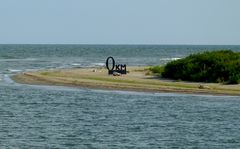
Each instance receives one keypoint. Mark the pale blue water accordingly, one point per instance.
(61, 117)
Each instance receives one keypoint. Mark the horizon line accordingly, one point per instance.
(118, 44)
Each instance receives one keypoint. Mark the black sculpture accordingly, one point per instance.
(119, 68)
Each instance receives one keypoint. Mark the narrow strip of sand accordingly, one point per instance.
(138, 79)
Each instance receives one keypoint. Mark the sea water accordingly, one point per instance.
(63, 117)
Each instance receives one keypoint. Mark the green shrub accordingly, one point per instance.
(156, 69)
(234, 79)
(217, 66)
(44, 73)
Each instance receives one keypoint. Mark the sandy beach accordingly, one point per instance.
(138, 79)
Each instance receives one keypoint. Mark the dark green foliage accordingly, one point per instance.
(217, 66)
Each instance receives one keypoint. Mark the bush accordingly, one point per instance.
(156, 69)
(216, 66)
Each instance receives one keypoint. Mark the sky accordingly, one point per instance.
(215, 22)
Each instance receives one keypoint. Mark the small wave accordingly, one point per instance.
(7, 79)
(29, 59)
(76, 64)
(170, 59)
(34, 69)
(87, 65)
(14, 70)
(98, 64)
(15, 59)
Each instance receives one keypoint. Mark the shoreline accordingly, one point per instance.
(139, 79)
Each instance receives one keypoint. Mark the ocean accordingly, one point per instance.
(63, 117)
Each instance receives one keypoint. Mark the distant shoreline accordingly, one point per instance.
(139, 79)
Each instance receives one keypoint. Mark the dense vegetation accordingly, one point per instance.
(217, 66)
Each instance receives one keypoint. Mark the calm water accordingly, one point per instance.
(61, 117)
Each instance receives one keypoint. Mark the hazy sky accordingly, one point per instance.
(120, 21)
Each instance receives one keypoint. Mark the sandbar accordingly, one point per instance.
(138, 79)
